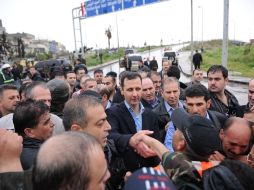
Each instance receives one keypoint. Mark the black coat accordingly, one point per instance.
(37, 77)
(197, 58)
(123, 128)
(240, 110)
(118, 97)
(230, 109)
(29, 152)
(153, 65)
(21, 180)
(115, 165)
(163, 118)
(217, 118)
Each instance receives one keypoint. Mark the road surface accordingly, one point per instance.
(239, 90)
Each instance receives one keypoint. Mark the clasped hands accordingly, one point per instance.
(139, 146)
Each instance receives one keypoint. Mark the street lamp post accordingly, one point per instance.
(224, 59)
(191, 35)
(117, 35)
(202, 24)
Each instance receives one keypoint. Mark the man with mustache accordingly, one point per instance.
(222, 100)
(85, 113)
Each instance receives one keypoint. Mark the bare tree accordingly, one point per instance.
(109, 35)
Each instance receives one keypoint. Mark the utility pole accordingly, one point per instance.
(76, 15)
(202, 25)
(117, 35)
(224, 57)
(191, 35)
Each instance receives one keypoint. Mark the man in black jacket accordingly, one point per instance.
(198, 101)
(32, 121)
(197, 59)
(128, 120)
(149, 99)
(35, 75)
(153, 64)
(85, 113)
(170, 102)
(223, 101)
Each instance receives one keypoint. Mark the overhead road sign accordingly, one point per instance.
(98, 7)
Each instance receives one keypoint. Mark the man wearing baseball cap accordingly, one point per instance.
(194, 140)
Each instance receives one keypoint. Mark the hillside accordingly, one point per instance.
(240, 57)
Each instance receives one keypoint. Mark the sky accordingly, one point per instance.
(168, 20)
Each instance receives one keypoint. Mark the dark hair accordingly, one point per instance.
(129, 76)
(112, 74)
(104, 91)
(174, 71)
(197, 90)
(75, 111)
(23, 87)
(113, 78)
(65, 74)
(27, 115)
(121, 75)
(63, 162)
(5, 87)
(242, 172)
(195, 71)
(80, 67)
(60, 92)
(59, 73)
(97, 71)
(218, 68)
(150, 74)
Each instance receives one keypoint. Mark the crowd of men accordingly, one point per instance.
(78, 131)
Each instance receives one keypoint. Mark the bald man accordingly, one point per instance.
(83, 166)
(236, 138)
(249, 107)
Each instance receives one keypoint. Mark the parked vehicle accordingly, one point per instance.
(131, 62)
(129, 51)
(48, 68)
(172, 56)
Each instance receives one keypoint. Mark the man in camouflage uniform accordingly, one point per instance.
(194, 140)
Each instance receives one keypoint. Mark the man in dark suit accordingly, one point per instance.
(128, 120)
(149, 99)
(153, 64)
(197, 59)
(164, 110)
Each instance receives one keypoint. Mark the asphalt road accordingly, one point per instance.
(239, 90)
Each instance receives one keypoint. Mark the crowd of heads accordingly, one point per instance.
(72, 155)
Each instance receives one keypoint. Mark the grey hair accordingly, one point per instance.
(75, 111)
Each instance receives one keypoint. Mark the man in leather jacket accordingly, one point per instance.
(85, 113)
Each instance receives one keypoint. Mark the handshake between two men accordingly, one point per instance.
(147, 146)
